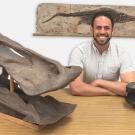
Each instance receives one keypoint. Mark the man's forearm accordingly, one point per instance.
(115, 87)
(84, 89)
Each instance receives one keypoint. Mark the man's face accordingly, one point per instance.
(102, 30)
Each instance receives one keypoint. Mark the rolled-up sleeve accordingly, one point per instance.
(76, 57)
(126, 63)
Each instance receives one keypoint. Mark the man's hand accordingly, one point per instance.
(96, 83)
(113, 86)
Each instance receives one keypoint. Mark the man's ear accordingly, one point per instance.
(113, 29)
(91, 28)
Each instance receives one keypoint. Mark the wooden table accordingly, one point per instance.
(103, 115)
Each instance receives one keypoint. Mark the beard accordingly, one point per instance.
(102, 39)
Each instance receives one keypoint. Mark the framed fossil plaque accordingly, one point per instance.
(74, 19)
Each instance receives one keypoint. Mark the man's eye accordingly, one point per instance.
(107, 28)
(99, 28)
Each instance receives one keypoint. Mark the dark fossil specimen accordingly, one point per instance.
(86, 16)
(35, 109)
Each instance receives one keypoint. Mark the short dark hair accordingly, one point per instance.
(102, 13)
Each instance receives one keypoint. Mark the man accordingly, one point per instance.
(103, 62)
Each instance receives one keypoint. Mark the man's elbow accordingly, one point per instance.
(74, 90)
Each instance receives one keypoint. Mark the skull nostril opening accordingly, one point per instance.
(54, 69)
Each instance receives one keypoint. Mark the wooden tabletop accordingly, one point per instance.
(104, 115)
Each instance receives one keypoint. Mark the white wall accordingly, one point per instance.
(18, 21)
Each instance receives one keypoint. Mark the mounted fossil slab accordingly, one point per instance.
(34, 73)
(75, 19)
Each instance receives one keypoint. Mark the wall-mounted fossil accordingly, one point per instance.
(75, 20)
(86, 16)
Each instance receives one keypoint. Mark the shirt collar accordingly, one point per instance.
(97, 51)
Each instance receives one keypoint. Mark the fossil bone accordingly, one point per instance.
(34, 73)
(35, 109)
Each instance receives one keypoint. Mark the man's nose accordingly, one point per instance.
(102, 31)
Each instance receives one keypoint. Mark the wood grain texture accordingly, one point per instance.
(68, 20)
(105, 115)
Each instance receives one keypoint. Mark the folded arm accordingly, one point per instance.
(101, 87)
(117, 87)
(79, 88)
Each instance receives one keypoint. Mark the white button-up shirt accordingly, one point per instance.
(108, 65)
